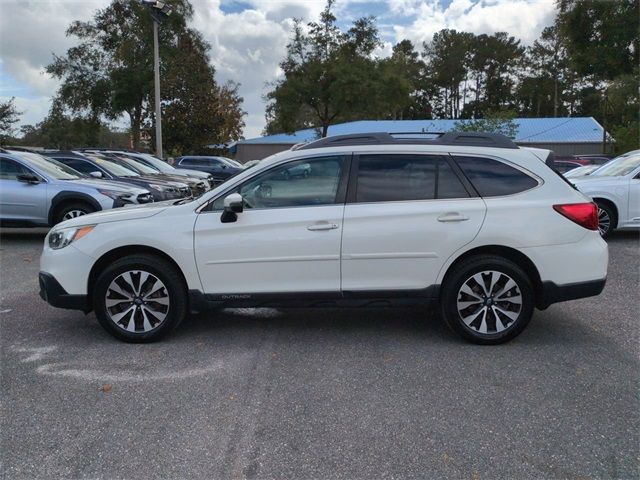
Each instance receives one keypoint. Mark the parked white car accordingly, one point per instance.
(471, 221)
(615, 187)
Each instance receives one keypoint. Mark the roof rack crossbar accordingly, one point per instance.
(471, 139)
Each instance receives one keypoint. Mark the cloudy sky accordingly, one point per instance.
(248, 37)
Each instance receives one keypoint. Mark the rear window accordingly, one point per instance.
(195, 162)
(401, 177)
(492, 178)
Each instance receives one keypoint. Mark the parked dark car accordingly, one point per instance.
(197, 186)
(161, 166)
(219, 167)
(100, 166)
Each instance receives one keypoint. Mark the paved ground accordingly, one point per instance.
(320, 394)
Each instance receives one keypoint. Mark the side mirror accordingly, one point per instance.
(28, 178)
(95, 174)
(233, 204)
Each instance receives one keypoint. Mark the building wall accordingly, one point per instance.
(258, 151)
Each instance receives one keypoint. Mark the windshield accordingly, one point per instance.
(50, 167)
(157, 163)
(137, 166)
(230, 161)
(581, 171)
(113, 168)
(618, 167)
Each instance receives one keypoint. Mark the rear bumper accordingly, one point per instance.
(552, 293)
(52, 292)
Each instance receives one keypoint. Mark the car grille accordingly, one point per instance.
(185, 192)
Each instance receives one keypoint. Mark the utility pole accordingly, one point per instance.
(159, 11)
(156, 67)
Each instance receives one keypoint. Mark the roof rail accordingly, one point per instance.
(105, 149)
(471, 139)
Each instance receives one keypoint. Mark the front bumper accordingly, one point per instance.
(552, 293)
(55, 295)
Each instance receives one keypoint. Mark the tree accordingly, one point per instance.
(329, 76)
(545, 76)
(110, 72)
(9, 116)
(197, 111)
(59, 130)
(501, 121)
(401, 89)
(447, 57)
(494, 64)
(602, 36)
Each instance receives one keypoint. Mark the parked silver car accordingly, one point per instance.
(36, 191)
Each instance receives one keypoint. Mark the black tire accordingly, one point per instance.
(496, 315)
(175, 289)
(71, 207)
(605, 211)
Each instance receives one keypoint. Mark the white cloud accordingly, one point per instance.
(33, 109)
(246, 46)
(31, 31)
(524, 19)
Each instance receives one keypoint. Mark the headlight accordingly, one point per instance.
(112, 194)
(65, 236)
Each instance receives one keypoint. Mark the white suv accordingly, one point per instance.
(471, 221)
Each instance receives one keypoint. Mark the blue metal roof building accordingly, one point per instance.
(573, 135)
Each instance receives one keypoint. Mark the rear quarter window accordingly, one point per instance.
(492, 178)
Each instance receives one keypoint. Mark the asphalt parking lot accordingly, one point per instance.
(320, 394)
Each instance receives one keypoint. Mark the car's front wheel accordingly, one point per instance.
(72, 210)
(487, 299)
(140, 298)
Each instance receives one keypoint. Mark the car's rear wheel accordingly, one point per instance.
(72, 210)
(140, 298)
(606, 219)
(487, 300)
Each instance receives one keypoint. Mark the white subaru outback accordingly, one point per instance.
(485, 229)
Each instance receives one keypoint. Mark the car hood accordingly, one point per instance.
(150, 178)
(593, 180)
(109, 185)
(178, 178)
(133, 212)
(185, 172)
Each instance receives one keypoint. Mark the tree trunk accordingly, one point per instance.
(135, 121)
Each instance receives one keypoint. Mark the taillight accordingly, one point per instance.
(584, 214)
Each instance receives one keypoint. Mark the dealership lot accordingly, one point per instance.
(316, 394)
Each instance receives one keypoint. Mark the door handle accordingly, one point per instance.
(452, 217)
(322, 226)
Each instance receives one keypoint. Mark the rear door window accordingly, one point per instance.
(404, 177)
(492, 178)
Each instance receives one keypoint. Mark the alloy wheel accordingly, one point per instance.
(137, 301)
(489, 302)
(73, 214)
(604, 221)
